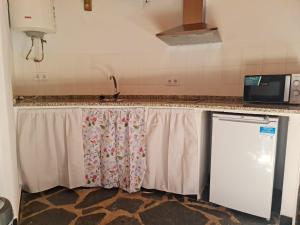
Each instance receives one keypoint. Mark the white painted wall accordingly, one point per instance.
(9, 186)
(258, 37)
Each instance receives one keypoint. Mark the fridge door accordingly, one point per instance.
(242, 162)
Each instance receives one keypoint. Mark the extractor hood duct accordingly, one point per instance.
(194, 29)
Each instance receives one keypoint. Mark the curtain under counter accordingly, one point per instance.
(157, 148)
(174, 147)
(50, 148)
(114, 146)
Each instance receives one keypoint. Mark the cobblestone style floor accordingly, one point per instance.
(97, 206)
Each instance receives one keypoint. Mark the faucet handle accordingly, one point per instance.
(101, 97)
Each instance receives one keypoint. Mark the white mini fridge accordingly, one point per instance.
(243, 162)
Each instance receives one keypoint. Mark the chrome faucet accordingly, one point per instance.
(116, 92)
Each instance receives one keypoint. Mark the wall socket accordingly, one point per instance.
(173, 82)
(40, 77)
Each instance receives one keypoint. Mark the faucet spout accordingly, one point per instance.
(116, 92)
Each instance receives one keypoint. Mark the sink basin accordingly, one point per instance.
(112, 100)
(183, 101)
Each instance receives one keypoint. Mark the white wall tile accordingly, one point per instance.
(275, 68)
(231, 56)
(252, 55)
(293, 67)
(119, 38)
(275, 54)
(252, 69)
(231, 75)
(211, 75)
(293, 54)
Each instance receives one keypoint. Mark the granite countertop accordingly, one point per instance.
(207, 102)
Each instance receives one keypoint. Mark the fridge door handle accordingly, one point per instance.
(265, 121)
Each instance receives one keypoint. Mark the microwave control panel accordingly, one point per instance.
(295, 89)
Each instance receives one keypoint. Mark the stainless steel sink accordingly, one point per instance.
(112, 100)
(183, 101)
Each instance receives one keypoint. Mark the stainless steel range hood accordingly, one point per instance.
(194, 29)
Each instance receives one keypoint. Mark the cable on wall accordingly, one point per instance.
(43, 41)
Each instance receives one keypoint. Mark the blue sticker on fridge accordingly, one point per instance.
(267, 130)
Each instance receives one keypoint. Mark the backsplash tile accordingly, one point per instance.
(274, 68)
(293, 67)
(88, 47)
(274, 54)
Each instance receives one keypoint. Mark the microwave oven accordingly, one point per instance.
(276, 89)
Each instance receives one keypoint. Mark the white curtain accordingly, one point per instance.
(50, 148)
(172, 151)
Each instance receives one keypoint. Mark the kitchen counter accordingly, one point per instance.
(203, 102)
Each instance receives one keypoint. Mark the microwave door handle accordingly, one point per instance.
(266, 121)
(287, 88)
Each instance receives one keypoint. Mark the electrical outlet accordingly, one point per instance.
(173, 82)
(40, 77)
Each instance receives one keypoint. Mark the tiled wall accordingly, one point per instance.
(119, 37)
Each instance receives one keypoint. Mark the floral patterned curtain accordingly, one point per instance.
(114, 145)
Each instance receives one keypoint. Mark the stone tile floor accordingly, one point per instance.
(97, 206)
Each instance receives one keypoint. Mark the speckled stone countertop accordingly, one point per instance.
(213, 103)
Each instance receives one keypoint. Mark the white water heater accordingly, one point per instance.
(32, 15)
(35, 18)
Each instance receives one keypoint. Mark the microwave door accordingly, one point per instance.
(267, 88)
